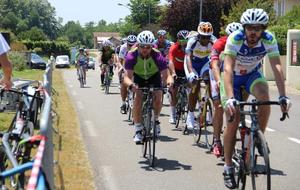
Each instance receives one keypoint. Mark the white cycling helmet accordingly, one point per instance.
(183, 34)
(145, 38)
(161, 33)
(106, 43)
(131, 39)
(254, 16)
(233, 27)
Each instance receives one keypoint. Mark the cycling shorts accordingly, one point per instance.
(153, 81)
(200, 67)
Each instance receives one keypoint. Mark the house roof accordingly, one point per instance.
(107, 34)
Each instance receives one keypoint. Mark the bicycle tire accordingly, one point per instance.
(240, 174)
(80, 78)
(106, 82)
(152, 142)
(209, 110)
(260, 171)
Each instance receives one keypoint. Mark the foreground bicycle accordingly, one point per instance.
(149, 130)
(13, 146)
(182, 100)
(107, 78)
(252, 158)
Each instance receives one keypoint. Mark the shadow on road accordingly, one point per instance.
(164, 138)
(163, 164)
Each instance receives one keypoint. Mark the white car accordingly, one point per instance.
(62, 61)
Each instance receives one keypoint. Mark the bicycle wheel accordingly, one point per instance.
(240, 172)
(260, 171)
(207, 130)
(81, 77)
(106, 82)
(152, 141)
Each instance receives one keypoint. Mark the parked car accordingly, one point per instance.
(92, 63)
(37, 62)
(62, 61)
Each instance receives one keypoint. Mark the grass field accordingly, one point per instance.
(73, 170)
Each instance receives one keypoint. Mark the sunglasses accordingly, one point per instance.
(145, 46)
(205, 37)
(254, 28)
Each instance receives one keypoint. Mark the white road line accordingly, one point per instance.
(74, 93)
(91, 130)
(108, 178)
(80, 105)
(294, 140)
(268, 129)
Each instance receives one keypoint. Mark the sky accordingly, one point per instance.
(90, 10)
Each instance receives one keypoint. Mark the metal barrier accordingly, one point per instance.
(46, 128)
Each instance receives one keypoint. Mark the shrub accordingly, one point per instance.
(280, 32)
(18, 60)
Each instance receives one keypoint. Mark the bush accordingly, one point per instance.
(280, 32)
(48, 47)
(18, 60)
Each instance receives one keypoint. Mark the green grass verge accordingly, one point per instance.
(30, 74)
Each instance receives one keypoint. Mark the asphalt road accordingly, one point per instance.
(117, 162)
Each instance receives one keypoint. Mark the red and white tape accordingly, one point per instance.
(36, 166)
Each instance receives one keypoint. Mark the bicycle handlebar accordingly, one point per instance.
(258, 103)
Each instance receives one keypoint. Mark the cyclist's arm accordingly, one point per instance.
(6, 67)
(229, 63)
(128, 77)
(188, 62)
(171, 63)
(277, 70)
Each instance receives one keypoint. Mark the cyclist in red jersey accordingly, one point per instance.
(216, 67)
(176, 68)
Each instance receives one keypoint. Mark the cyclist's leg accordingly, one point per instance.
(103, 68)
(258, 87)
(231, 129)
(123, 93)
(218, 115)
(137, 109)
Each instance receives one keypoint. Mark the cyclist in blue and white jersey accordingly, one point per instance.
(244, 52)
(162, 44)
(130, 41)
(196, 63)
(82, 60)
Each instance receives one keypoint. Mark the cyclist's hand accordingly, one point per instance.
(285, 103)
(192, 77)
(7, 84)
(133, 87)
(230, 106)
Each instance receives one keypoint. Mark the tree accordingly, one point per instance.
(292, 18)
(140, 11)
(73, 31)
(20, 15)
(34, 34)
(240, 7)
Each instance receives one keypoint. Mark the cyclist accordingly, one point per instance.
(106, 60)
(162, 44)
(5, 64)
(216, 67)
(196, 65)
(244, 52)
(176, 62)
(81, 60)
(131, 40)
(145, 66)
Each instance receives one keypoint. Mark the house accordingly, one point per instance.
(283, 6)
(113, 37)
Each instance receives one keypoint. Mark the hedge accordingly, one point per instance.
(48, 47)
(280, 32)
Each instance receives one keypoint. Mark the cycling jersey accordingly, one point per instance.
(249, 59)
(201, 54)
(123, 51)
(4, 47)
(218, 48)
(176, 55)
(163, 47)
(81, 59)
(107, 55)
(145, 68)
